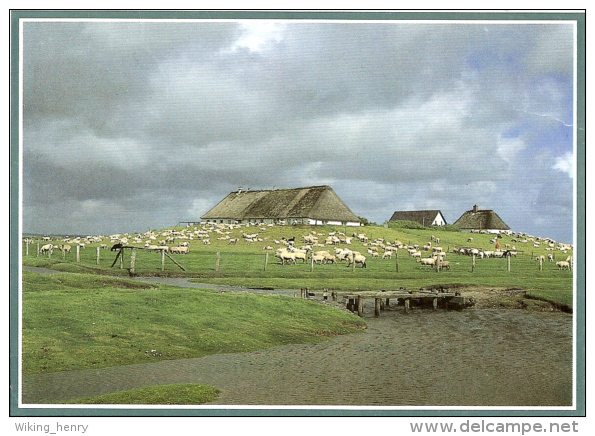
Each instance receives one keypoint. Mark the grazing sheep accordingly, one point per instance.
(355, 258)
(318, 258)
(285, 256)
(300, 254)
(179, 250)
(48, 248)
(330, 258)
(563, 265)
(445, 264)
(65, 248)
(428, 261)
(387, 255)
(157, 248)
(342, 254)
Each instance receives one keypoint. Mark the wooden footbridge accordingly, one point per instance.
(382, 299)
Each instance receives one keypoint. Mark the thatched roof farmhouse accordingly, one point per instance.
(315, 205)
(424, 217)
(481, 220)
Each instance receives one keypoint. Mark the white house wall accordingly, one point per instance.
(439, 221)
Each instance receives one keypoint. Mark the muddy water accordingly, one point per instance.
(471, 358)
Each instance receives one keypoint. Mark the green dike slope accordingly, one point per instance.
(229, 258)
(81, 321)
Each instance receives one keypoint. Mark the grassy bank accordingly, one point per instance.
(178, 394)
(82, 321)
(247, 263)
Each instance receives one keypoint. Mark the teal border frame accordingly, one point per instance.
(580, 310)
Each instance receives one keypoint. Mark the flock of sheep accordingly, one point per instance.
(315, 247)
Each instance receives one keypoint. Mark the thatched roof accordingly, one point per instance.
(315, 202)
(424, 217)
(481, 220)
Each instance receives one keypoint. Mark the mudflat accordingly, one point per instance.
(475, 357)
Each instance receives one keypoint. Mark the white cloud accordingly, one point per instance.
(199, 207)
(509, 148)
(259, 34)
(565, 164)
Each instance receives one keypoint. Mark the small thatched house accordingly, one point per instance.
(424, 217)
(315, 205)
(481, 220)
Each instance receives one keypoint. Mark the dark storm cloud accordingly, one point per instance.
(160, 120)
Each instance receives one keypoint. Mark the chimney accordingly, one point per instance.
(475, 209)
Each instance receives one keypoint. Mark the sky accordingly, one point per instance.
(137, 125)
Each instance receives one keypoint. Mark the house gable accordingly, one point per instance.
(424, 217)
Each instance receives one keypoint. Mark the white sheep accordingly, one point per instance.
(285, 256)
(355, 258)
(563, 265)
(428, 261)
(318, 258)
(65, 248)
(179, 250)
(300, 254)
(48, 248)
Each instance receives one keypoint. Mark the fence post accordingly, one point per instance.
(217, 260)
(540, 263)
(98, 255)
(508, 256)
(312, 264)
(266, 260)
(396, 261)
(37, 255)
(27, 248)
(162, 260)
(473, 264)
(132, 259)
(78, 254)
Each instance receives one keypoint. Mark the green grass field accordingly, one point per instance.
(243, 263)
(93, 316)
(178, 394)
(82, 321)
